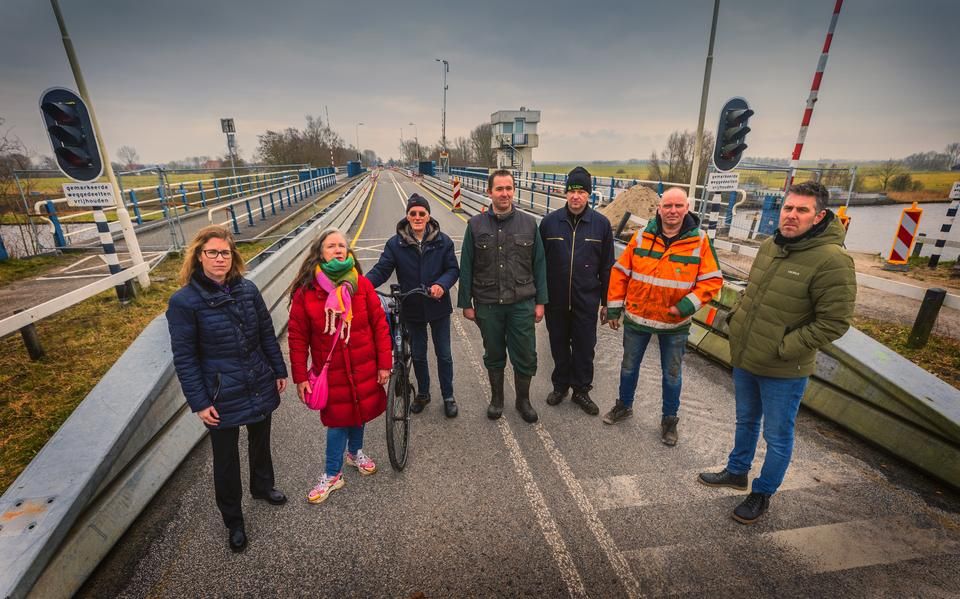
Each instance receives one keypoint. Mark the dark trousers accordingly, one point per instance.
(226, 467)
(573, 339)
(441, 347)
(509, 327)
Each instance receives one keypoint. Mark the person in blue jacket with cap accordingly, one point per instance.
(423, 256)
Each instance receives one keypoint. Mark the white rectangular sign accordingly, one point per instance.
(955, 192)
(723, 182)
(89, 195)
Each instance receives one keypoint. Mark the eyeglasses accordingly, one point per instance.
(212, 254)
(417, 214)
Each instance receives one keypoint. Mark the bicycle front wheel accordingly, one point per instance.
(398, 416)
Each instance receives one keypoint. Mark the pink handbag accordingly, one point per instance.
(319, 388)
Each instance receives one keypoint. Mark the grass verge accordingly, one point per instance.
(82, 343)
(16, 269)
(941, 356)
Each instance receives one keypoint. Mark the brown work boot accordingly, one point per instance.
(668, 430)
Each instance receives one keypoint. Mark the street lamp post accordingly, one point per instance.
(443, 112)
(401, 146)
(416, 140)
(359, 154)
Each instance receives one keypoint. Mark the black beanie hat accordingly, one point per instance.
(578, 178)
(418, 200)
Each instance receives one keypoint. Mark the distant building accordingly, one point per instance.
(212, 164)
(514, 137)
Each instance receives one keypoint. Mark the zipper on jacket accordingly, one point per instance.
(573, 249)
(771, 272)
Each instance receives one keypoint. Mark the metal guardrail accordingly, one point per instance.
(76, 498)
(299, 189)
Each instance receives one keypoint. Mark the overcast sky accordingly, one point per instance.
(612, 79)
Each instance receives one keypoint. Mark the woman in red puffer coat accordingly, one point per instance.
(333, 306)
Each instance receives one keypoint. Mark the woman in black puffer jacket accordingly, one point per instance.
(230, 367)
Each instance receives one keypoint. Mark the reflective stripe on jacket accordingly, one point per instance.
(648, 278)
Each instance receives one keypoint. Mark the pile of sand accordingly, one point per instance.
(638, 200)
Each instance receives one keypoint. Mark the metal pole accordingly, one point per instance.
(853, 178)
(359, 154)
(695, 169)
(126, 226)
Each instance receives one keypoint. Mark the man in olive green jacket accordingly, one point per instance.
(800, 296)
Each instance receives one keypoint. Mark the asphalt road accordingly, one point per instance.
(565, 507)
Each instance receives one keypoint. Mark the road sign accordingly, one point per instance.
(89, 195)
(72, 136)
(955, 192)
(227, 126)
(723, 182)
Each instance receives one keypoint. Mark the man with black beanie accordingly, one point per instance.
(578, 243)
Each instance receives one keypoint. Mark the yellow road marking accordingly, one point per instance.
(366, 213)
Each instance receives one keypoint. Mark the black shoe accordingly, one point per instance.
(582, 399)
(617, 413)
(724, 479)
(450, 407)
(495, 410)
(754, 506)
(419, 402)
(522, 383)
(555, 397)
(668, 430)
(238, 539)
(273, 496)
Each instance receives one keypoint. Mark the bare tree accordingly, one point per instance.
(312, 145)
(480, 138)
(953, 151)
(887, 171)
(676, 160)
(462, 152)
(128, 156)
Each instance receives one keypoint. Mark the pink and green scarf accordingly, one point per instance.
(339, 279)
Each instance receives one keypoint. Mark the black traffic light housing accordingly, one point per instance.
(731, 134)
(72, 137)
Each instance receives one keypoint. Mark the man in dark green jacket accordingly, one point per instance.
(503, 287)
(800, 296)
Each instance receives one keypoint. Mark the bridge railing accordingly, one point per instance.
(148, 202)
(260, 203)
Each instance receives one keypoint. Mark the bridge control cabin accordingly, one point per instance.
(514, 137)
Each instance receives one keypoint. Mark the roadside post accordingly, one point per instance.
(904, 238)
(926, 317)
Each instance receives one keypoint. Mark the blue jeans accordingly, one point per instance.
(775, 401)
(672, 348)
(338, 439)
(440, 328)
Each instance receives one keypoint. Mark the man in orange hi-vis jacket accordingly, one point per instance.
(665, 274)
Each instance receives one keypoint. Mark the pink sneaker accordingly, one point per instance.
(327, 485)
(361, 462)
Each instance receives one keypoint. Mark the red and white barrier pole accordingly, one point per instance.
(812, 98)
(457, 207)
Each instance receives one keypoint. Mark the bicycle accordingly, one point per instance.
(399, 387)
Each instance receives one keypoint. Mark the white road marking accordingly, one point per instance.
(548, 525)
(862, 543)
(616, 558)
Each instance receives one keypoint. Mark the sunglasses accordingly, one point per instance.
(214, 253)
(416, 214)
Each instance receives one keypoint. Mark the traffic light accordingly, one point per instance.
(71, 132)
(731, 134)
